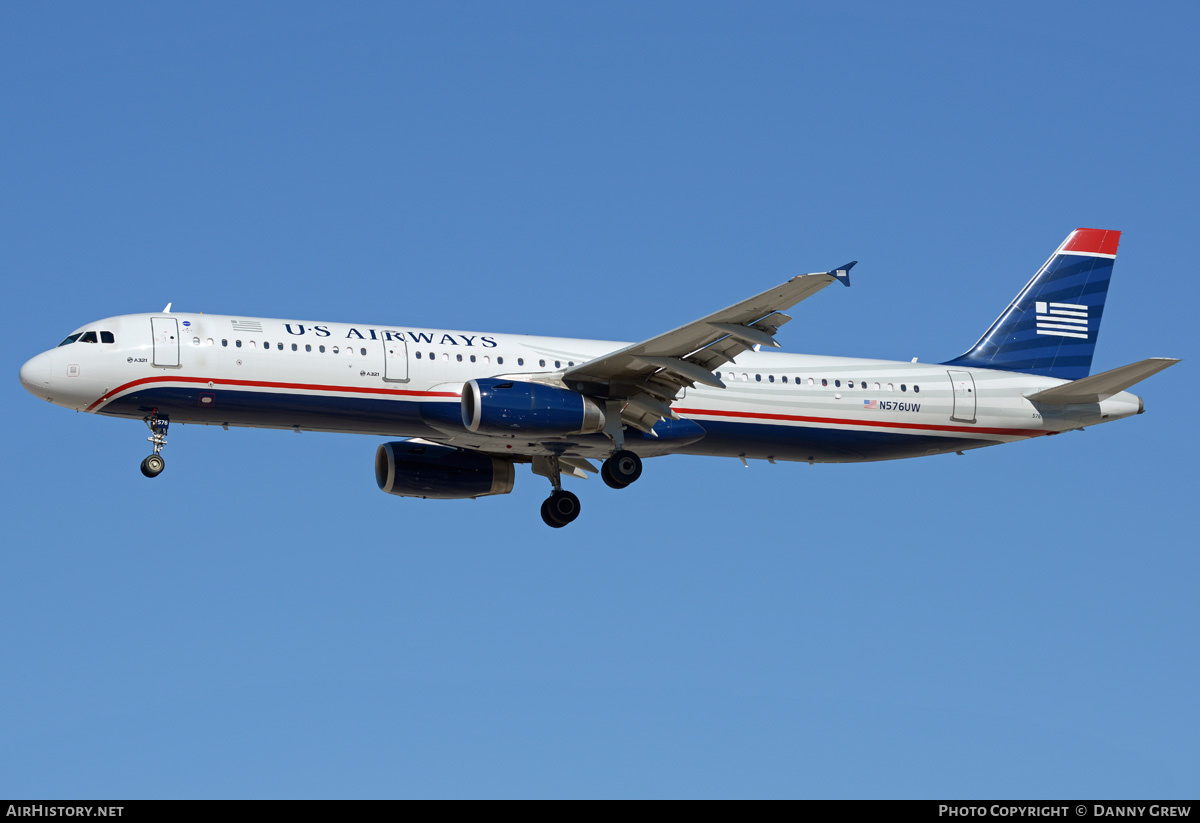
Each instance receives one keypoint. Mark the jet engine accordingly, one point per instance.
(429, 470)
(494, 406)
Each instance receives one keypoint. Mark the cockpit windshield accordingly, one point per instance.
(89, 337)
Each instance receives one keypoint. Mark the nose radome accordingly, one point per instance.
(35, 375)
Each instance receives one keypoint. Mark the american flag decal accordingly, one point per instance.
(1062, 319)
(871, 404)
(246, 325)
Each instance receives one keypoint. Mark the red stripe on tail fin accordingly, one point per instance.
(1093, 241)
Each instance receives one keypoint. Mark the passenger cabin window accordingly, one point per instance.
(107, 337)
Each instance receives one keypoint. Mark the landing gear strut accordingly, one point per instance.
(621, 469)
(153, 465)
(561, 507)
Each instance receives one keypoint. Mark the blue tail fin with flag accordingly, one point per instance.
(1050, 328)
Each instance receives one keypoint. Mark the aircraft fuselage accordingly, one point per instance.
(401, 381)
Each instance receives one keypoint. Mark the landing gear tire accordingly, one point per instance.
(153, 465)
(621, 469)
(559, 509)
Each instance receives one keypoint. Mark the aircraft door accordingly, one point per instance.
(395, 359)
(964, 396)
(166, 341)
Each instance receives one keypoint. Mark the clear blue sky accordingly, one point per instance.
(262, 621)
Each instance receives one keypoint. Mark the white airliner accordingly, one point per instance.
(471, 405)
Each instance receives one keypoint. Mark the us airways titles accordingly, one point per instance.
(446, 339)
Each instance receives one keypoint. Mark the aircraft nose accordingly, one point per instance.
(35, 375)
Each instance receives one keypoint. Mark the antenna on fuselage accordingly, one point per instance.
(167, 310)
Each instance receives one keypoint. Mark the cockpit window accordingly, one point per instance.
(87, 337)
(107, 337)
(71, 339)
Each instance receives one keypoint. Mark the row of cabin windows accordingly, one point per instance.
(837, 383)
(89, 337)
(350, 350)
(459, 357)
(486, 359)
(295, 346)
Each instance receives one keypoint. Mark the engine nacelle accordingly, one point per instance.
(440, 472)
(493, 406)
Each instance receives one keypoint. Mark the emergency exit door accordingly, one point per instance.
(166, 341)
(395, 360)
(964, 396)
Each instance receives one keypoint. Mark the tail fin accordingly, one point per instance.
(1050, 328)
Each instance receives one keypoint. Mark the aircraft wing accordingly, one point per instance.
(647, 376)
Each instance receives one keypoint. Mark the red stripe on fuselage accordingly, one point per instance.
(835, 421)
(267, 385)
(841, 421)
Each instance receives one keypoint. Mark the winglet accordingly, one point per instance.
(842, 273)
(167, 310)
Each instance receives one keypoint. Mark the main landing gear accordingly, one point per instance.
(559, 509)
(153, 465)
(621, 469)
(562, 507)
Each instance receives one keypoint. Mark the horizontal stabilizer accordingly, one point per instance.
(1104, 385)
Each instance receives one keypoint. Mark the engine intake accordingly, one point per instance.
(440, 472)
(493, 406)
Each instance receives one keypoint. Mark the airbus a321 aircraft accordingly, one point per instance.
(471, 405)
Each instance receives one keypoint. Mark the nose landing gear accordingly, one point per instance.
(153, 465)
